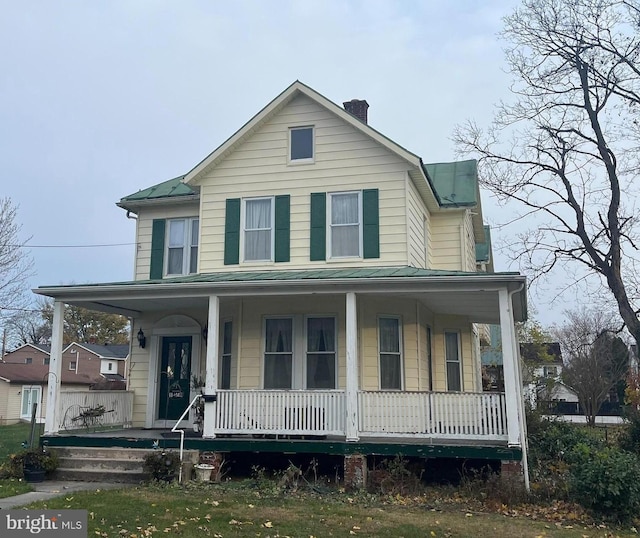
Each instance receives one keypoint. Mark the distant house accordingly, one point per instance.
(24, 374)
(98, 362)
(22, 385)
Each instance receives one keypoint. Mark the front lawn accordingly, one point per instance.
(12, 437)
(241, 509)
(13, 486)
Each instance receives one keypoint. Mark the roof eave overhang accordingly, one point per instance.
(135, 205)
(106, 295)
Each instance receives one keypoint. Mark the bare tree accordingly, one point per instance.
(28, 326)
(15, 262)
(566, 147)
(596, 359)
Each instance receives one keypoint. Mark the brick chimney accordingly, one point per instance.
(357, 108)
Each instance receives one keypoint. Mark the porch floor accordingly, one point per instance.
(333, 445)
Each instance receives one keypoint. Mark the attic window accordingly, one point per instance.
(301, 144)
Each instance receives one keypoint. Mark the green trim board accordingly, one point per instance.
(282, 219)
(156, 268)
(297, 446)
(232, 232)
(318, 238)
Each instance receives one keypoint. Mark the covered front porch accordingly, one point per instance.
(358, 411)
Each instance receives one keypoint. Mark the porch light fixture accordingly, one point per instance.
(205, 332)
(142, 339)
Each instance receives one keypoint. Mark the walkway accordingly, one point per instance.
(43, 491)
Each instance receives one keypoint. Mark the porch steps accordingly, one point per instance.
(102, 464)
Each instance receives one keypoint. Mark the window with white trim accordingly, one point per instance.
(389, 338)
(72, 365)
(452, 356)
(278, 353)
(321, 353)
(182, 246)
(258, 224)
(225, 366)
(301, 144)
(345, 224)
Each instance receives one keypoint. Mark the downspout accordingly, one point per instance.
(525, 447)
(418, 348)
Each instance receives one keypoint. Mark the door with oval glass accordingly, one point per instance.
(175, 375)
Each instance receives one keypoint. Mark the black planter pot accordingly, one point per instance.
(34, 475)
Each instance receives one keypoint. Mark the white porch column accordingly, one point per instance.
(52, 417)
(211, 366)
(515, 429)
(352, 368)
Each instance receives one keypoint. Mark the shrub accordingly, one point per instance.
(605, 481)
(32, 458)
(629, 439)
(395, 477)
(162, 465)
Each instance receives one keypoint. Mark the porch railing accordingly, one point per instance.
(433, 414)
(295, 412)
(115, 408)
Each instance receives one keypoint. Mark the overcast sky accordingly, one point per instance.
(99, 99)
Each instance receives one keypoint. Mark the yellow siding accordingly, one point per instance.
(5, 388)
(143, 232)
(446, 235)
(417, 227)
(470, 243)
(345, 159)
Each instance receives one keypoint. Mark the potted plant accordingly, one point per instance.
(34, 464)
(162, 465)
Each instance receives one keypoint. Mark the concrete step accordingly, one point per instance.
(68, 462)
(93, 464)
(101, 475)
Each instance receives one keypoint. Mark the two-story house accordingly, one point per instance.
(322, 281)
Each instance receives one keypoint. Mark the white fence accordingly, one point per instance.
(433, 414)
(93, 409)
(394, 414)
(296, 412)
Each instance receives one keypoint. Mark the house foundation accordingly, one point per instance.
(355, 471)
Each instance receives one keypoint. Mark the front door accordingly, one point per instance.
(175, 375)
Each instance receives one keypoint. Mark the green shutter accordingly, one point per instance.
(232, 232)
(371, 222)
(157, 249)
(318, 239)
(283, 226)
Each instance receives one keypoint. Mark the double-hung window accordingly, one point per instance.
(258, 229)
(278, 353)
(345, 224)
(182, 246)
(452, 356)
(390, 353)
(301, 145)
(225, 367)
(321, 353)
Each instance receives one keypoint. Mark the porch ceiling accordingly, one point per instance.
(474, 295)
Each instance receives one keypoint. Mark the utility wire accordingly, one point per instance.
(69, 246)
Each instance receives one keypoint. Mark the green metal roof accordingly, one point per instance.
(483, 250)
(171, 188)
(309, 274)
(456, 183)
